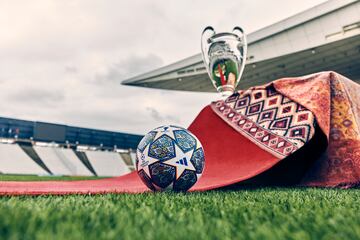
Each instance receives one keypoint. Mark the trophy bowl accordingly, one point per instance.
(224, 55)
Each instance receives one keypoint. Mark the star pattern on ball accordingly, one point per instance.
(168, 158)
(166, 130)
(145, 162)
(181, 162)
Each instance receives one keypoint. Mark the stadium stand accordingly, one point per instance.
(62, 161)
(63, 134)
(14, 160)
(53, 149)
(107, 163)
(127, 159)
(79, 169)
(84, 159)
(57, 166)
(133, 157)
(29, 150)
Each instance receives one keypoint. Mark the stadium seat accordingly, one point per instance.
(107, 163)
(62, 161)
(15, 161)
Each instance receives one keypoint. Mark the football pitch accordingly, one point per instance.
(266, 213)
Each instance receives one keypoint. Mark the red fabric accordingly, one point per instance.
(229, 158)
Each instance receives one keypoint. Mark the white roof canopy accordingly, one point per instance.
(325, 37)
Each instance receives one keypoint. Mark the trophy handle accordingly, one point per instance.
(205, 39)
(242, 35)
(243, 38)
(207, 29)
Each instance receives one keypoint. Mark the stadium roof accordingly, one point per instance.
(325, 37)
(58, 133)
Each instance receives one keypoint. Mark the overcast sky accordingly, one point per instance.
(63, 61)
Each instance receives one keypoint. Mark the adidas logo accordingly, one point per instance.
(182, 161)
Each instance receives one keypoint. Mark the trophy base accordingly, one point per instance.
(226, 90)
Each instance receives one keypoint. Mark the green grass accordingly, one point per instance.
(268, 213)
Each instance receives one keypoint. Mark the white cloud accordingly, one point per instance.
(62, 61)
(128, 67)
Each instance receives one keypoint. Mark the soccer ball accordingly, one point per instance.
(170, 157)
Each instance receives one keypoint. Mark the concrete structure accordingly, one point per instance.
(107, 163)
(14, 160)
(52, 161)
(62, 161)
(26, 131)
(325, 37)
(77, 167)
(41, 148)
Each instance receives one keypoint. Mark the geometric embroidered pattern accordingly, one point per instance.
(269, 119)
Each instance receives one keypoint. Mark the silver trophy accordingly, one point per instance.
(224, 55)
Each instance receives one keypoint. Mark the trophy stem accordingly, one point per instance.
(226, 94)
(226, 90)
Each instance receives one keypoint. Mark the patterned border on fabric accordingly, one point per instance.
(264, 138)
